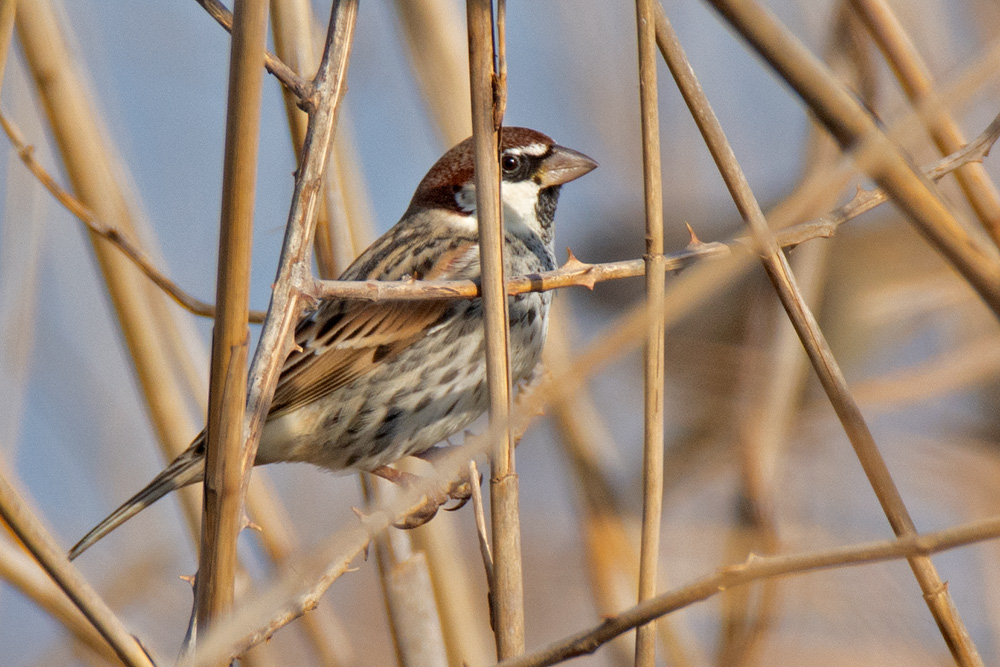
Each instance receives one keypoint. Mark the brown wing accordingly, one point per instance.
(344, 340)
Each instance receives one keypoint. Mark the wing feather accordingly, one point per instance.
(344, 340)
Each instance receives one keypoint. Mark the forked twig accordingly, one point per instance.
(303, 88)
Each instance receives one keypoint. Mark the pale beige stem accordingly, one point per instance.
(653, 354)
(223, 506)
(508, 594)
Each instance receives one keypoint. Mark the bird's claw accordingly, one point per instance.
(459, 491)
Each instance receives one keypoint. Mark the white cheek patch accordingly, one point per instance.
(519, 200)
(463, 223)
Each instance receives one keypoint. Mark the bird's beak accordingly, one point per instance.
(563, 166)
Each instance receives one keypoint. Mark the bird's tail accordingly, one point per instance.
(187, 468)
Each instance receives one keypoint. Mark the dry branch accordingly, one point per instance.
(917, 82)
(757, 568)
(121, 240)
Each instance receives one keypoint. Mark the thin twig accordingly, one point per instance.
(286, 299)
(653, 350)
(439, 58)
(292, 26)
(40, 543)
(574, 272)
(299, 586)
(480, 515)
(610, 555)
(286, 302)
(779, 272)
(770, 388)
(303, 88)
(83, 213)
(757, 568)
(293, 30)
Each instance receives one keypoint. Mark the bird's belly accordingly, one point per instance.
(428, 392)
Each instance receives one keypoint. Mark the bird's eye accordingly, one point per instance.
(510, 163)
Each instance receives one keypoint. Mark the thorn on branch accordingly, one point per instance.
(695, 242)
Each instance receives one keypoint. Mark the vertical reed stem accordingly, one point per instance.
(653, 354)
(508, 594)
(230, 341)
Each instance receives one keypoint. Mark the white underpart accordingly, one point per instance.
(518, 199)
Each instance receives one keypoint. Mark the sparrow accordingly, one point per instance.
(370, 383)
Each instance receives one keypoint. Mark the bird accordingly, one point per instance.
(367, 384)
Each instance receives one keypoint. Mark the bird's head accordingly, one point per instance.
(532, 169)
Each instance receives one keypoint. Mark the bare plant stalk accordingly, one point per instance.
(413, 617)
(23, 573)
(439, 57)
(420, 639)
(293, 270)
(7, 10)
(40, 543)
(756, 569)
(830, 376)
(770, 388)
(293, 32)
(882, 159)
(574, 272)
(612, 560)
(507, 593)
(917, 82)
(653, 354)
(292, 25)
(298, 588)
(223, 504)
(92, 169)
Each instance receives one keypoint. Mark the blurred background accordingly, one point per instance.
(756, 459)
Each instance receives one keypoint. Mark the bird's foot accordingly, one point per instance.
(459, 491)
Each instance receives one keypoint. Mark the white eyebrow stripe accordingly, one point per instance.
(534, 150)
